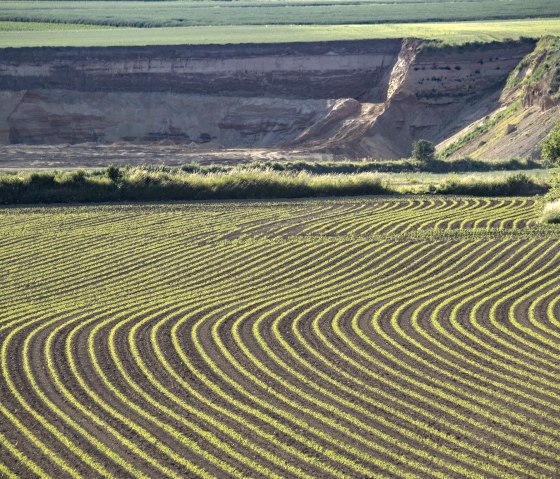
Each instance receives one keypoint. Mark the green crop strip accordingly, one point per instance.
(368, 337)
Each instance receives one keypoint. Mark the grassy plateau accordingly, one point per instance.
(411, 337)
(270, 12)
(28, 34)
(85, 23)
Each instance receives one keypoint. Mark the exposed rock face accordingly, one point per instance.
(66, 116)
(526, 111)
(299, 70)
(363, 98)
(437, 91)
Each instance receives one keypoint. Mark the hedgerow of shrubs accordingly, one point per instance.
(137, 184)
(515, 185)
(165, 184)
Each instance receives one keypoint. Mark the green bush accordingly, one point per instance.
(41, 180)
(515, 185)
(551, 147)
(551, 213)
(423, 151)
(114, 173)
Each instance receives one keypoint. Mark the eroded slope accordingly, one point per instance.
(360, 98)
(528, 109)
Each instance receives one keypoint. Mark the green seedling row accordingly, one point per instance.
(413, 337)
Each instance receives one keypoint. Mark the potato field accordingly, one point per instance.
(411, 337)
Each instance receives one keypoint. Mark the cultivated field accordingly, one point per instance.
(270, 12)
(29, 34)
(408, 337)
(115, 22)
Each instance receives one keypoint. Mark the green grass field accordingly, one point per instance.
(48, 27)
(285, 12)
(414, 337)
(40, 34)
(73, 23)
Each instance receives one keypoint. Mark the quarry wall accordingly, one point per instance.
(357, 98)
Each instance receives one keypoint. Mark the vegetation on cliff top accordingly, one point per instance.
(30, 34)
(541, 68)
(263, 12)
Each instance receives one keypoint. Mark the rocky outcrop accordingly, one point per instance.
(362, 98)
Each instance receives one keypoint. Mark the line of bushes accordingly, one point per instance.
(139, 184)
(514, 185)
(464, 165)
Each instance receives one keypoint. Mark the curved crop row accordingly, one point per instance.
(412, 337)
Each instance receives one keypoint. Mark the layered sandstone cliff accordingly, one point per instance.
(360, 98)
